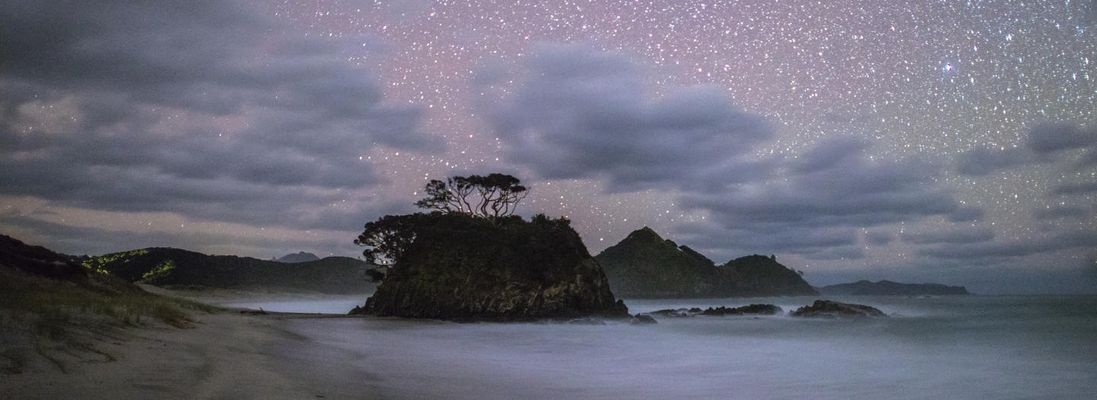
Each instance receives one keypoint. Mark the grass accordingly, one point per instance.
(66, 320)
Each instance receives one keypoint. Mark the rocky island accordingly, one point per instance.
(889, 288)
(471, 261)
(644, 265)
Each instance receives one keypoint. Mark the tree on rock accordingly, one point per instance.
(492, 196)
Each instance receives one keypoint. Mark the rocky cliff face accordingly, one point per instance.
(472, 270)
(644, 265)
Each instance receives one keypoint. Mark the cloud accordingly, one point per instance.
(582, 113)
(879, 237)
(1045, 143)
(1072, 189)
(966, 236)
(981, 161)
(1057, 212)
(1052, 137)
(834, 185)
(196, 107)
(987, 253)
(579, 113)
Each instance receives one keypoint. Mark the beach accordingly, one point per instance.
(224, 355)
(973, 347)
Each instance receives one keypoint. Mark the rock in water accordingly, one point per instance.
(464, 268)
(834, 309)
(753, 309)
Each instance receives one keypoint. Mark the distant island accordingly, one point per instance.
(300, 257)
(889, 288)
(171, 267)
(644, 265)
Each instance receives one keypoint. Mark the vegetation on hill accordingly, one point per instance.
(51, 306)
(466, 265)
(175, 267)
(644, 265)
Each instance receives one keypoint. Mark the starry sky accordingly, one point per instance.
(916, 141)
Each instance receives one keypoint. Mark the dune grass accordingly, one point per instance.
(64, 320)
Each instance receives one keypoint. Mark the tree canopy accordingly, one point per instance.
(492, 196)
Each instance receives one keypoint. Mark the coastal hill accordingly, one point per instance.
(889, 288)
(466, 268)
(58, 314)
(176, 267)
(644, 265)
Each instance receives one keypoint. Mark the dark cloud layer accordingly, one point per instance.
(582, 113)
(197, 107)
(579, 113)
(1045, 143)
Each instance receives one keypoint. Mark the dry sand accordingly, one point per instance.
(228, 355)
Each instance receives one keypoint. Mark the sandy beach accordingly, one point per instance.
(224, 355)
(928, 348)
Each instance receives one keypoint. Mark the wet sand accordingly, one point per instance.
(227, 355)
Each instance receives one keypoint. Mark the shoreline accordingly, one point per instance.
(222, 355)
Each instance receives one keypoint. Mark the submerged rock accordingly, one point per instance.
(677, 313)
(753, 309)
(834, 309)
(643, 319)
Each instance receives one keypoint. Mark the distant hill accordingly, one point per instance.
(889, 288)
(41, 262)
(298, 258)
(644, 265)
(168, 267)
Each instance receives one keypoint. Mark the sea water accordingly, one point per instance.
(962, 347)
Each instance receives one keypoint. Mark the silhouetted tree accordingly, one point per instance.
(492, 196)
(386, 240)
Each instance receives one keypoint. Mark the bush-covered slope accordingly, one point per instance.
(170, 267)
(644, 265)
(466, 268)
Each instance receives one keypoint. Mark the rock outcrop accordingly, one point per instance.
(753, 309)
(644, 265)
(889, 288)
(834, 309)
(469, 269)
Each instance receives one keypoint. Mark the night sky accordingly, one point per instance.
(919, 141)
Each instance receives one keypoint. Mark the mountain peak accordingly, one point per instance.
(645, 233)
(298, 258)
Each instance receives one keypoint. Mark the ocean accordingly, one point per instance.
(959, 347)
